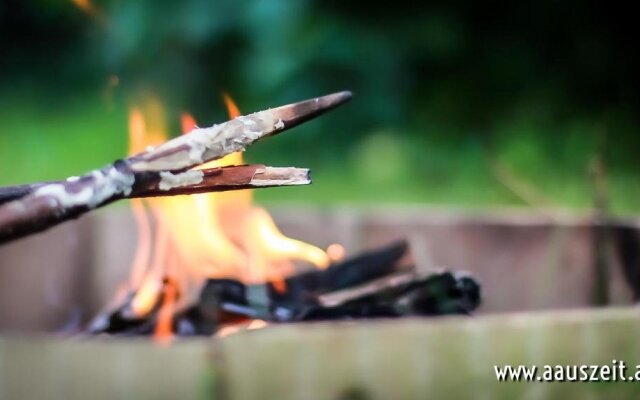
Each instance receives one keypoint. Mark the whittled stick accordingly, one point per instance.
(163, 171)
(55, 202)
(206, 144)
(254, 176)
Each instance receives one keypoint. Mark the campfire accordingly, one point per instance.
(210, 261)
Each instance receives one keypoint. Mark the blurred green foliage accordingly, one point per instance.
(444, 91)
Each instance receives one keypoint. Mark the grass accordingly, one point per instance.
(43, 142)
(441, 166)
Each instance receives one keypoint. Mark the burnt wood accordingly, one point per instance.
(374, 284)
(351, 272)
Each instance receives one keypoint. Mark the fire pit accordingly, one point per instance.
(223, 246)
(405, 359)
(215, 264)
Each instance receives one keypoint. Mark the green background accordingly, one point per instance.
(450, 97)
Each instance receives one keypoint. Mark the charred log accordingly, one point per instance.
(351, 272)
(372, 285)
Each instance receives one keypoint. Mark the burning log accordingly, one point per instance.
(376, 284)
(352, 272)
(409, 293)
(163, 171)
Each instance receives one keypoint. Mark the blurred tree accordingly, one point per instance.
(528, 83)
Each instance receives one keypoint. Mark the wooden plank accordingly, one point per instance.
(421, 358)
(99, 368)
(390, 359)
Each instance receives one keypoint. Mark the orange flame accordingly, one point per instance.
(85, 5)
(163, 331)
(232, 108)
(205, 235)
(89, 8)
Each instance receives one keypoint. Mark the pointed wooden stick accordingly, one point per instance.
(206, 144)
(52, 203)
(254, 176)
(165, 183)
(163, 171)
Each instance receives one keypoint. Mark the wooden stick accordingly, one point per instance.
(163, 170)
(213, 180)
(9, 193)
(52, 203)
(206, 144)
(223, 179)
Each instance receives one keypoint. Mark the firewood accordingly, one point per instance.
(405, 293)
(374, 284)
(345, 274)
(163, 170)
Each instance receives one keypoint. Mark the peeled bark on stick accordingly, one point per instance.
(195, 181)
(163, 170)
(9, 193)
(222, 179)
(206, 144)
(55, 202)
